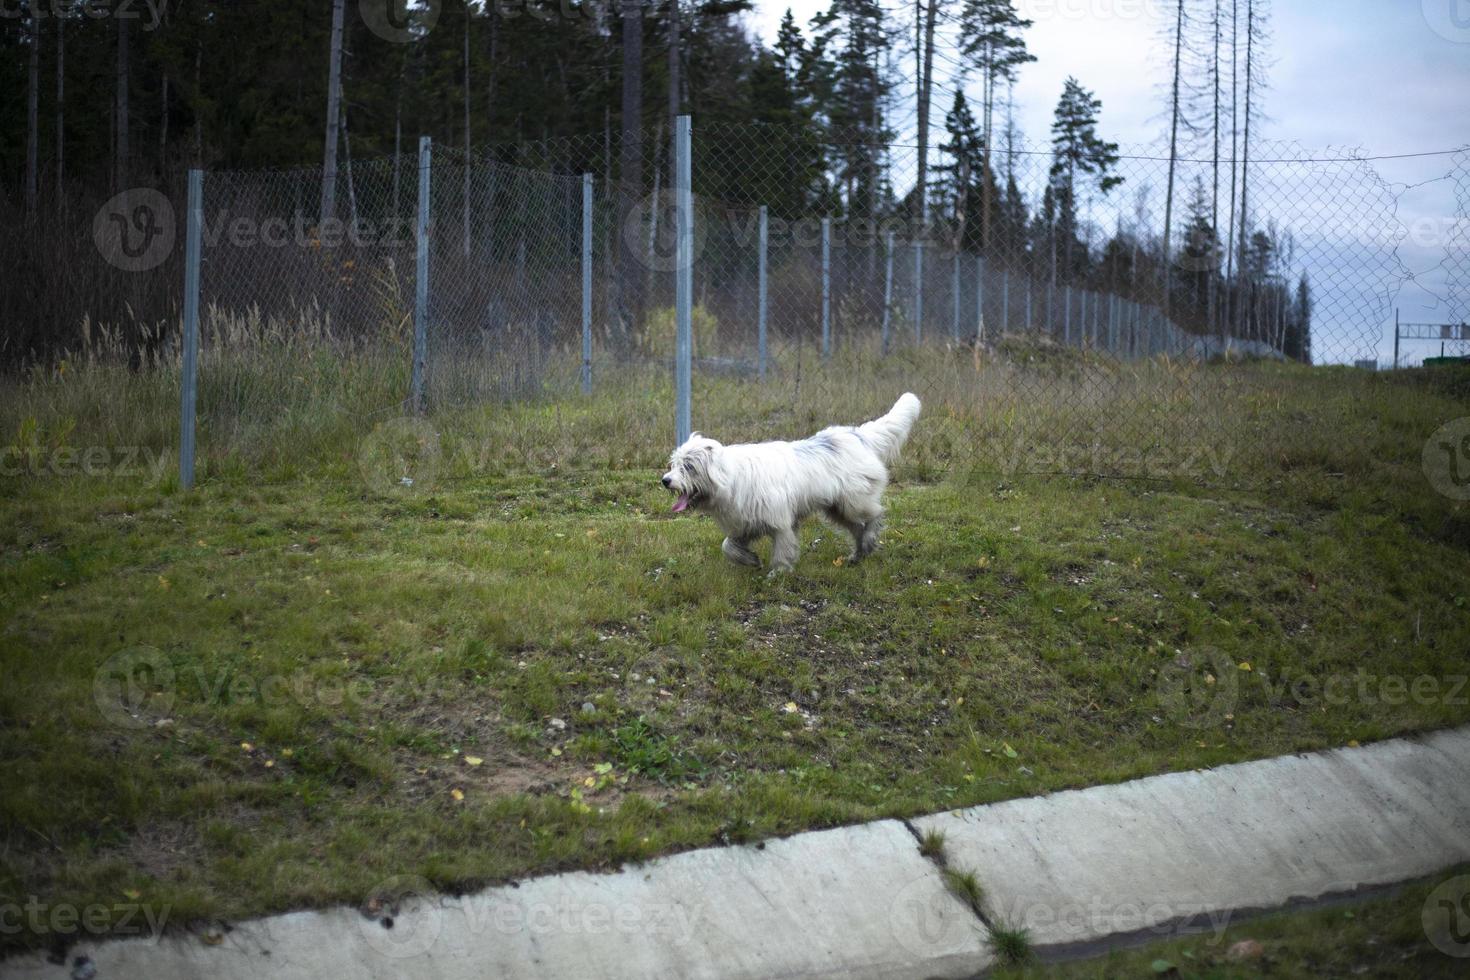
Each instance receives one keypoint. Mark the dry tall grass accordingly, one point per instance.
(283, 397)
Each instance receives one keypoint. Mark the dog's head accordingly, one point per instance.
(689, 472)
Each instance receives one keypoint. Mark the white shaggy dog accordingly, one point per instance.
(768, 488)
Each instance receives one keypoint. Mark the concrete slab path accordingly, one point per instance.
(1075, 868)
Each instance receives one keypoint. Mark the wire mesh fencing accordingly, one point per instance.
(1055, 314)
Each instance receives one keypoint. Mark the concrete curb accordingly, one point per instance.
(1190, 848)
(1074, 868)
(852, 902)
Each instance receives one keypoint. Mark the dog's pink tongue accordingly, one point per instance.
(681, 503)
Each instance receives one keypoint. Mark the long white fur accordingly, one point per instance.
(766, 489)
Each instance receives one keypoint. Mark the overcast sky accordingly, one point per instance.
(1386, 76)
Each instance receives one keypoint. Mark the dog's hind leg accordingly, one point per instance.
(855, 528)
(739, 552)
(785, 547)
(867, 541)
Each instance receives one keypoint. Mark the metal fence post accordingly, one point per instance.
(683, 281)
(760, 342)
(1067, 315)
(980, 298)
(586, 284)
(421, 280)
(189, 383)
(954, 320)
(918, 291)
(826, 288)
(1027, 325)
(1005, 300)
(887, 291)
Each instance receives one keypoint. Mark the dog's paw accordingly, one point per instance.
(740, 555)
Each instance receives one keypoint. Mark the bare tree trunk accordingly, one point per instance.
(1245, 148)
(986, 171)
(658, 147)
(1173, 153)
(122, 103)
(60, 110)
(1215, 168)
(334, 108)
(163, 129)
(1231, 294)
(198, 117)
(397, 142)
(630, 177)
(465, 195)
(674, 63)
(351, 187)
(33, 117)
(925, 14)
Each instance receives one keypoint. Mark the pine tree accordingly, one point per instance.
(852, 35)
(1077, 152)
(959, 186)
(990, 40)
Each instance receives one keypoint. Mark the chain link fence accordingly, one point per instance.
(1034, 307)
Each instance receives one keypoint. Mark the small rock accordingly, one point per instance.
(1246, 949)
(558, 724)
(588, 707)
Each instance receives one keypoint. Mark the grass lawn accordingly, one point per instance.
(515, 671)
(1380, 937)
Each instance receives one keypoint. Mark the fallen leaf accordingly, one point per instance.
(1010, 752)
(132, 893)
(458, 795)
(473, 760)
(790, 708)
(1245, 665)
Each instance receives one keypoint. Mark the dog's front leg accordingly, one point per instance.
(739, 552)
(785, 547)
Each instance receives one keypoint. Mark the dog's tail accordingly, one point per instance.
(888, 433)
